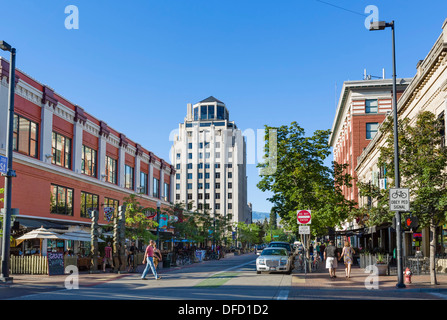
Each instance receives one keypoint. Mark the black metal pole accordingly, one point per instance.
(400, 283)
(158, 226)
(9, 175)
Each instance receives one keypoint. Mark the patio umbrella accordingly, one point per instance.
(40, 233)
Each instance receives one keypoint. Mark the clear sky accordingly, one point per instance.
(136, 64)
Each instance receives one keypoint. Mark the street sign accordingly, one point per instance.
(399, 199)
(304, 217)
(304, 229)
(3, 164)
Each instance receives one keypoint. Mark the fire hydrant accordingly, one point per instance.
(407, 275)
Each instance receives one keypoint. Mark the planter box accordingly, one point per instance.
(382, 269)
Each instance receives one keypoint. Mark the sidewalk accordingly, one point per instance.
(320, 279)
(86, 279)
(361, 280)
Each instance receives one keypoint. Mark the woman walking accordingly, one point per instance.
(347, 255)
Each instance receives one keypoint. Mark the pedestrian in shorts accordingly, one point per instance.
(331, 255)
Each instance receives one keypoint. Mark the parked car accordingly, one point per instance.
(274, 259)
(282, 244)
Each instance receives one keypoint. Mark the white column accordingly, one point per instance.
(121, 162)
(46, 132)
(78, 129)
(3, 112)
(172, 187)
(137, 172)
(151, 176)
(102, 146)
(162, 180)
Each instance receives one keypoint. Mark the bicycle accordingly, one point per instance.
(183, 259)
(315, 263)
(398, 194)
(300, 264)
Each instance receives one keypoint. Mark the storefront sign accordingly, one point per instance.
(55, 263)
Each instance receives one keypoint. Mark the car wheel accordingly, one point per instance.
(258, 272)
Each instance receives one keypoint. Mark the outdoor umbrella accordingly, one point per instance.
(40, 233)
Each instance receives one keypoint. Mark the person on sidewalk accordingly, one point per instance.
(322, 247)
(331, 255)
(149, 258)
(347, 255)
(107, 257)
(157, 255)
(131, 257)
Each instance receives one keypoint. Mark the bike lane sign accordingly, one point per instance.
(399, 199)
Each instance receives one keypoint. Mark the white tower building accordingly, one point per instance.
(209, 154)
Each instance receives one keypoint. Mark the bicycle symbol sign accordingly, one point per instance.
(399, 199)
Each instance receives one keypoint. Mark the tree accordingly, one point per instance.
(138, 225)
(303, 181)
(273, 220)
(247, 233)
(422, 164)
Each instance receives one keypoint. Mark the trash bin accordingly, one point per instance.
(167, 260)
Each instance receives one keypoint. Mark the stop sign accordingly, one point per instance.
(303, 217)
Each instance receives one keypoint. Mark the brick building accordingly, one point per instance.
(362, 106)
(69, 162)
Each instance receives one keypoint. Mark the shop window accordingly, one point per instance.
(25, 136)
(89, 202)
(61, 201)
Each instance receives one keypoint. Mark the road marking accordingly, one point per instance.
(440, 295)
(283, 295)
(221, 277)
(217, 280)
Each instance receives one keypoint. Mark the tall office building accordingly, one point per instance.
(209, 155)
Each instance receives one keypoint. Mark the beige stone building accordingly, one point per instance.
(426, 92)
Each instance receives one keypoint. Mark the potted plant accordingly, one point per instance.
(381, 264)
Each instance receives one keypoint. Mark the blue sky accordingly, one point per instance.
(136, 64)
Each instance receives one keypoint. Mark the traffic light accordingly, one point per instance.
(411, 222)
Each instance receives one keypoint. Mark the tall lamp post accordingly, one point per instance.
(381, 25)
(158, 224)
(10, 173)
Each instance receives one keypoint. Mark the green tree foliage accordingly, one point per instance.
(247, 234)
(303, 181)
(138, 225)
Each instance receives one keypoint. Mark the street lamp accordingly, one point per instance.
(158, 223)
(381, 25)
(10, 173)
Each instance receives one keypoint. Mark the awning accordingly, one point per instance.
(37, 223)
(374, 229)
(350, 232)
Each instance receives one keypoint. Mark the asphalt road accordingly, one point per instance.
(232, 279)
